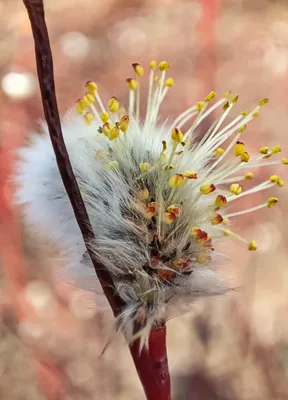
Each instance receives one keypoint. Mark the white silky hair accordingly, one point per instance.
(121, 241)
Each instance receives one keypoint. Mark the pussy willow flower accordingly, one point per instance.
(158, 196)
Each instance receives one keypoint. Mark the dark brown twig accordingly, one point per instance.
(44, 61)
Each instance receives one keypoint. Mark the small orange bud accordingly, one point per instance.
(174, 210)
(151, 210)
(168, 217)
(216, 219)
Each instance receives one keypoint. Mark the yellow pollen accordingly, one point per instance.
(227, 232)
(207, 188)
(284, 161)
(138, 69)
(164, 146)
(113, 133)
(106, 128)
(235, 99)
(219, 151)
(276, 149)
(89, 97)
(272, 201)
(124, 123)
(168, 218)
(177, 135)
(239, 149)
(244, 113)
(88, 118)
(174, 210)
(274, 178)
(242, 129)
(190, 175)
(236, 189)
(153, 65)
(91, 87)
(245, 157)
(176, 181)
(200, 105)
(255, 114)
(280, 182)
(132, 83)
(227, 94)
(143, 194)
(144, 166)
(249, 176)
(80, 107)
(113, 104)
(220, 201)
(216, 219)
(104, 117)
(226, 106)
(169, 82)
(210, 96)
(263, 101)
(164, 66)
(264, 150)
(252, 246)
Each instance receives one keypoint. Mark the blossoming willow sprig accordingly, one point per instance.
(157, 198)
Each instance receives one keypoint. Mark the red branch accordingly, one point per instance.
(151, 364)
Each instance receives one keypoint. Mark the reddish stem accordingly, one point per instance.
(152, 365)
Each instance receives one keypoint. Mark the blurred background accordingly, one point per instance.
(229, 348)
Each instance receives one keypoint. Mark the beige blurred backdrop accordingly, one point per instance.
(229, 348)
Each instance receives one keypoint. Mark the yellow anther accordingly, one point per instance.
(151, 210)
(220, 201)
(176, 181)
(255, 114)
(144, 166)
(263, 101)
(164, 146)
(276, 149)
(91, 87)
(190, 175)
(89, 97)
(227, 232)
(169, 82)
(226, 221)
(177, 135)
(264, 150)
(132, 83)
(236, 189)
(284, 161)
(252, 246)
(207, 188)
(168, 218)
(227, 94)
(124, 123)
(113, 133)
(249, 176)
(80, 107)
(174, 210)
(143, 194)
(164, 66)
(219, 151)
(113, 104)
(168, 167)
(210, 96)
(216, 219)
(272, 201)
(245, 157)
(235, 99)
(138, 69)
(88, 118)
(104, 117)
(113, 165)
(153, 65)
(106, 128)
(274, 178)
(200, 105)
(203, 258)
(239, 149)
(244, 112)
(226, 106)
(243, 128)
(280, 182)
(85, 102)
